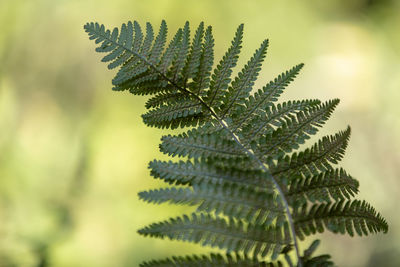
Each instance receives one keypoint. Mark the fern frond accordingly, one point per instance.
(164, 98)
(183, 48)
(229, 199)
(228, 260)
(194, 144)
(295, 130)
(264, 97)
(222, 73)
(193, 59)
(243, 83)
(188, 173)
(329, 149)
(217, 232)
(183, 114)
(238, 162)
(332, 184)
(316, 261)
(274, 116)
(202, 79)
(159, 44)
(339, 217)
(134, 67)
(171, 51)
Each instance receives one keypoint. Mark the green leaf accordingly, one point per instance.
(332, 184)
(229, 199)
(202, 79)
(274, 116)
(193, 59)
(264, 97)
(188, 173)
(185, 113)
(294, 131)
(195, 144)
(217, 232)
(221, 77)
(339, 217)
(183, 48)
(228, 260)
(329, 149)
(240, 89)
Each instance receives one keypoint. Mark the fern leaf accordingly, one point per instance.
(125, 40)
(243, 83)
(188, 173)
(125, 70)
(194, 144)
(221, 77)
(133, 70)
(193, 59)
(264, 97)
(202, 79)
(185, 113)
(165, 98)
(217, 232)
(339, 217)
(332, 184)
(295, 131)
(316, 261)
(274, 116)
(182, 52)
(144, 74)
(330, 149)
(228, 260)
(171, 51)
(237, 164)
(159, 44)
(232, 200)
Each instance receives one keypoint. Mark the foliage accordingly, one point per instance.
(255, 194)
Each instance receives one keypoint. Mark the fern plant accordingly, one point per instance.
(256, 195)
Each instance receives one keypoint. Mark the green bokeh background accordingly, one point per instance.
(74, 153)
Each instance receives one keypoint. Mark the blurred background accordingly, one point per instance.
(74, 154)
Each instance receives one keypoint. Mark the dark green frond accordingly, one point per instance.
(171, 51)
(255, 195)
(182, 51)
(222, 73)
(202, 79)
(242, 85)
(159, 43)
(329, 149)
(166, 98)
(339, 217)
(319, 261)
(274, 116)
(135, 67)
(332, 184)
(264, 97)
(193, 59)
(229, 199)
(228, 235)
(183, 114)
(188, 173)
(194, 144)
(315, 261)
(228, 260)
(295, 130)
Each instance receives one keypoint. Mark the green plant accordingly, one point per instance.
(255, 194)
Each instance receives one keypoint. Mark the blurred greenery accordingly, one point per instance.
(74, 154)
